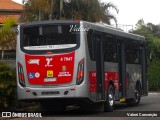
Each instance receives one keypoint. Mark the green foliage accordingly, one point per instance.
(37, 10)
(7, 85)
(107, 16)
(88, 10)
(8, 24)
(8, 35)
(154, 75)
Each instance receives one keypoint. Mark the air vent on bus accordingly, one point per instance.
(21, 75)
(80, 72)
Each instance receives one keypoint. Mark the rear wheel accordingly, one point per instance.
(135, 101)
(109, 104)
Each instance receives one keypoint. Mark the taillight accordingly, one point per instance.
(76, 20)
(23, 24)
(21, 75)
(80, 72)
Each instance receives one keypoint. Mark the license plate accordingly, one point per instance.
(50, 93)
(49, 79)
(49, 73)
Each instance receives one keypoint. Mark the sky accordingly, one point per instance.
(130, 11)
(18, 1)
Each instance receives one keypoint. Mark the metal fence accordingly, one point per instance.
(9, 57)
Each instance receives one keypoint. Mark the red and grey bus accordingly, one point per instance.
(75, 62)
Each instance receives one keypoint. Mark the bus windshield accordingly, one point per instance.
(48, 37)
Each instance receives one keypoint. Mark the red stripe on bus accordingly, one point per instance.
(114, 76)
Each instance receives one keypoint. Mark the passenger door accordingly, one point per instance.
(99, 56)
(122, 66)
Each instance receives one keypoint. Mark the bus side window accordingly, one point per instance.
(110, 48)
(132, 52)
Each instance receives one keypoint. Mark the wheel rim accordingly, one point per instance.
(111, 100)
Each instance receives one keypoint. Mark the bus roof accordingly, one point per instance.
(112, 30)
(95, 26)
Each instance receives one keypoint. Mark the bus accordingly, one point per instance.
(63, 62)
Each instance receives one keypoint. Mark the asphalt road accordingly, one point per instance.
(149, 106)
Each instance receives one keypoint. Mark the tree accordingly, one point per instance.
(7, 35)
(85, 10)
(140, 24)
(107, 15)
(7, 85)
(36, 10)
(149, 28)
(88, 10)
(7, 75)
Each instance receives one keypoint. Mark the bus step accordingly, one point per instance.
(98, 101)
(122, 100)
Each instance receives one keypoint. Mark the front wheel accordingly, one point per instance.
(109, 104)
(135, 101)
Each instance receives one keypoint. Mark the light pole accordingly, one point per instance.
(61, 6)
(51, 10)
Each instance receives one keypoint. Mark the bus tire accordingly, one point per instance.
(135, 101)
(109, 103)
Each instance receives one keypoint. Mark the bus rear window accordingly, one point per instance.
(48, 37)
